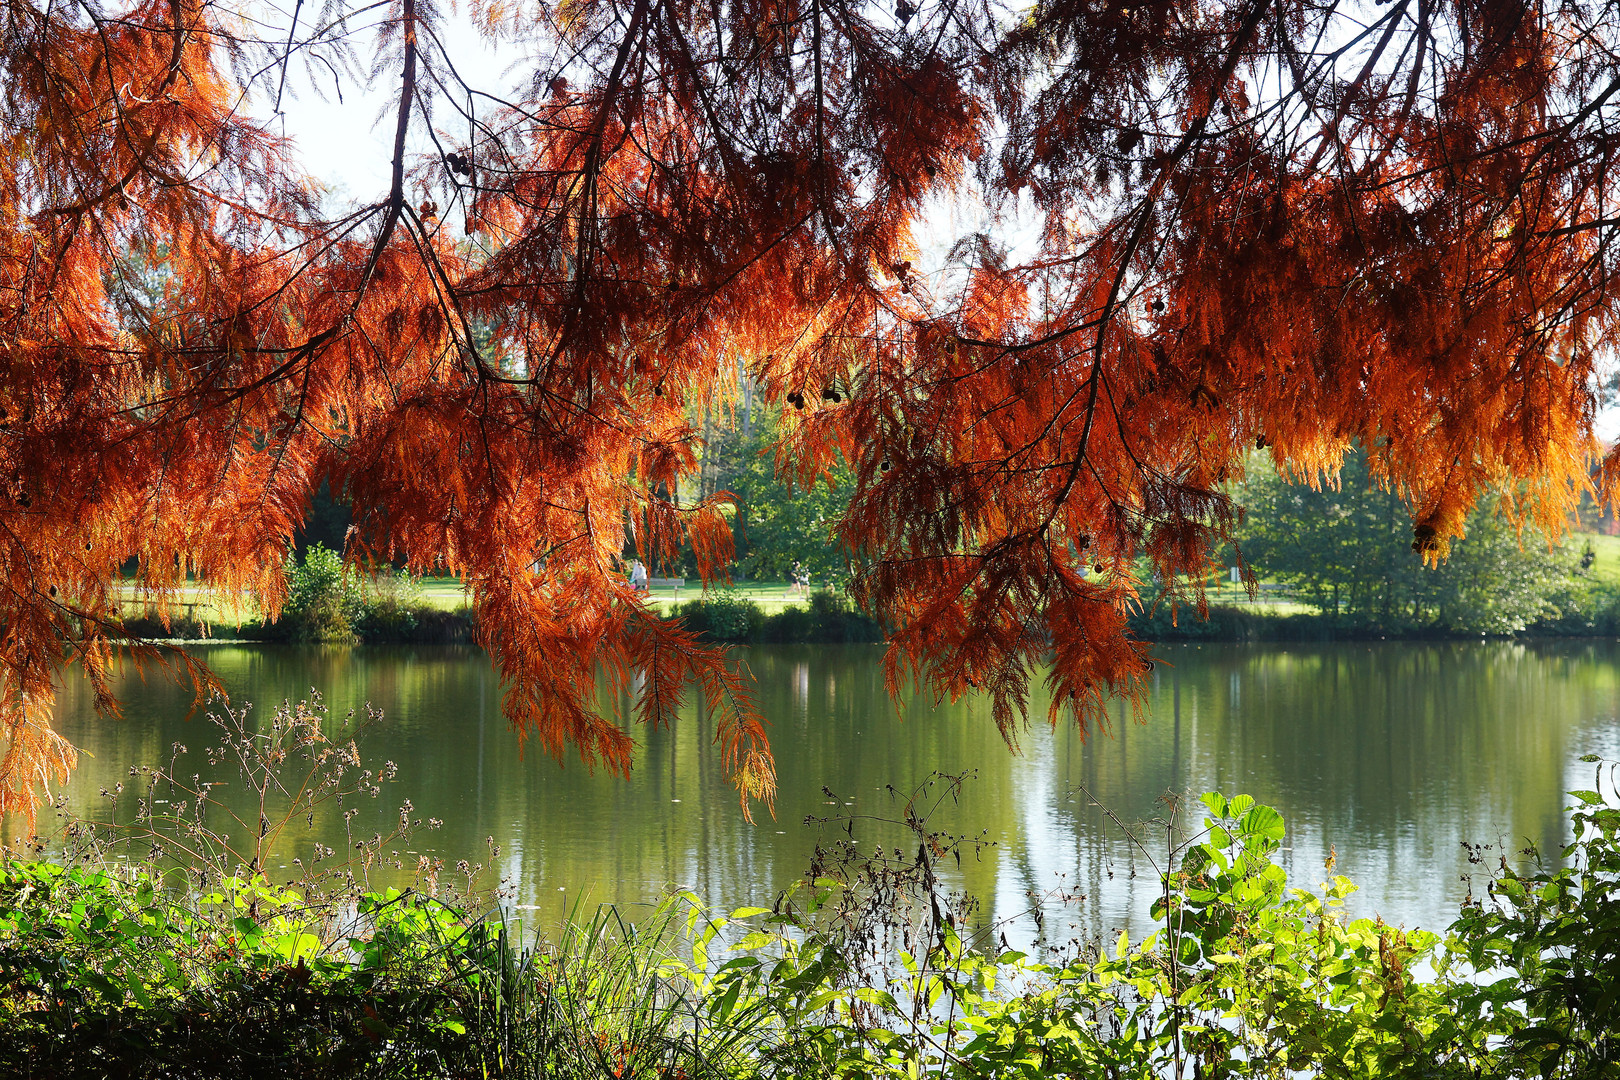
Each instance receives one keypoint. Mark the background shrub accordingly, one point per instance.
(323, 599)
(721, 616)
(830, 618)
(390, 607)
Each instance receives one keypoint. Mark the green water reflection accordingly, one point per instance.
(1392, 753)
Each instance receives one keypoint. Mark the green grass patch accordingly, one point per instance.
(769, 596)
(1605, 568)
(445, 593)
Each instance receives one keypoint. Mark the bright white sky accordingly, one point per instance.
(348, 144)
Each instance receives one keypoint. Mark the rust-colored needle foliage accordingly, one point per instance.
(1215, 224)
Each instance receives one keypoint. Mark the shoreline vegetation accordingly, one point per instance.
(828, 617)
(824, 617)
(1258, 623)
(327, 603)
(1577, 595)
(744, 623)
(869, 968)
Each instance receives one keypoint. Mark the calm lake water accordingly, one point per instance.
(1392, 754)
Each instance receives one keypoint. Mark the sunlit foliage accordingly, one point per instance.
(1347, 548)
(1212, 224)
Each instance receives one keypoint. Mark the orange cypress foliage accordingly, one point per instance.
(1248, 222)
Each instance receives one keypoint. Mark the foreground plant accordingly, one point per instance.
(295, 764)
(1244, 977)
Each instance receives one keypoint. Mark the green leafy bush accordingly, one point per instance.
(106, 974)
(834, 618)
(323, 601)
(330, 603)
(1549, 946)
(390, 608)
(830, 617)
(722, 616)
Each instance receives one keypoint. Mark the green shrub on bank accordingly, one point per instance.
(423, 624)
(1233, 623)
(721, 616)
(329, 603)
(323, 599)
(1597, 614)
(389, 606)
(829, 618)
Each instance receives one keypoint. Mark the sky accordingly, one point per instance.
(347, 143)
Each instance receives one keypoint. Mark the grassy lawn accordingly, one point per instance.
(1223, 593)
(448, 594)
(1263, 606)
(1606, 567)
(771, 596)
(444, 593)
(189, 603)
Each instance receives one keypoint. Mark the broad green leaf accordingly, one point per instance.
(1262, 821)
(137, 988)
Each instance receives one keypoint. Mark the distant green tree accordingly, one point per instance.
(779, 524)
(1348, 550)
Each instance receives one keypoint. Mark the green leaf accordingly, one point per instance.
(138, 989)
(171, 970)
(728, 1001)
(1262, 821)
